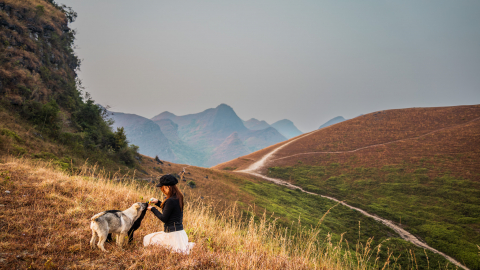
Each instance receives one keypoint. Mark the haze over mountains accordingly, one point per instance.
(202, 139)
(285, 127)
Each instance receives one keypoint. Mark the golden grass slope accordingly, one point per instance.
(388, 137)
(44, 224)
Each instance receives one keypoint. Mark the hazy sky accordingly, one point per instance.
(307, 61)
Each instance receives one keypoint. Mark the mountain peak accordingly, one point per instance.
(224, 106)
(226, 120)
(287, 128)
(284, 121)
(163, 115)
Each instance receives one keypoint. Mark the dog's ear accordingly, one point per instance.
(137, 206)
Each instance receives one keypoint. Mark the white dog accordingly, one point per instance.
(115, 222)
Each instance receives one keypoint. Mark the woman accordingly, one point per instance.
(173, 235)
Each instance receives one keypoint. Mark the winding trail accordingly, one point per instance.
(256, 166)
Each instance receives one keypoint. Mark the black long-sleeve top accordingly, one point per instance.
(172, 215)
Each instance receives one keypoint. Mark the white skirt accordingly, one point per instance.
(177, 241)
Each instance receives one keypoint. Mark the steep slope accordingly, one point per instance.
(145, 134)
(287, 128)
(43, 113)
(333, 121)
(416, 167)
(231, 148)
(254, 124)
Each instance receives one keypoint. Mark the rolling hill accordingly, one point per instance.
(417, 167)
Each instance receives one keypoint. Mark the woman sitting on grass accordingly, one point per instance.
(173, 235)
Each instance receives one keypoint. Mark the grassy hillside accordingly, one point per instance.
(45, 225)
(417, 167)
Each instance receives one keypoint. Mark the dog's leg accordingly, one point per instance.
(93, 240)
(130, 236)
(109, 238)
(118, 236)
(102, 238)
(121, 239)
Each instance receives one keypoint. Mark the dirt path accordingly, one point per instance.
(255, 167)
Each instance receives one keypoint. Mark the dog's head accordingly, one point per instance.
(140, 207)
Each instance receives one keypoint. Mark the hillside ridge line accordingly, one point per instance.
(380, 144)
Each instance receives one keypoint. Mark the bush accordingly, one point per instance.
(127, 155)
(7, 132)
(191, 184)
(44, 116)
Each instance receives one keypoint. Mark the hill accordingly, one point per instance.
(417, 167)
(45, 113)
(287, 128)
(333, 121)
(60, 205)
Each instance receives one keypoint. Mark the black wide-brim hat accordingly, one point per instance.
(167, 180)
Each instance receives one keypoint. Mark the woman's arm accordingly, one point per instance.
(167, 211)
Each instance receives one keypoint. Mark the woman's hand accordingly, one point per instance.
(153, 200)
(149, 207)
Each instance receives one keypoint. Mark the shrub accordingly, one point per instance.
(44, 116)
(9, 133)
(127, 155)
(191, 184)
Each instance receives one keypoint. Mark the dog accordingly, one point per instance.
(115, 222)
(134, 227)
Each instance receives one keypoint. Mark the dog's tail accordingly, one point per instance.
(94, 218)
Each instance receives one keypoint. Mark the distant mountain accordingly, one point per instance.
(144, 133)
(231, 148)
(259, 139)
(287, 128)
(333, 121)
(209, 134)
(254, 124)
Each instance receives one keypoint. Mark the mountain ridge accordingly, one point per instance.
(196, 138)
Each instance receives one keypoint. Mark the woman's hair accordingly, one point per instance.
(174, 191)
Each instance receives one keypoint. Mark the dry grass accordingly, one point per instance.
(51, 14)
(45, 225)
(455, 148)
